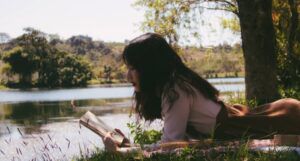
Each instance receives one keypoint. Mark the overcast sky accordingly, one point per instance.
(107, 20)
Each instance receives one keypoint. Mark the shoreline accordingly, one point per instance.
(4, 88)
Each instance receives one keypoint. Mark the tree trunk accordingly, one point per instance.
(258, 43)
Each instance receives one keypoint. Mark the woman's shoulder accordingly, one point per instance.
(173, 89)
(177, 90)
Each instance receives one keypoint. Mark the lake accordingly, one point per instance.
(96, 92)
(40, 124)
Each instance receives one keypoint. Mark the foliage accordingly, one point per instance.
(74, 71)
(241, 101)
(176, 19)
(290, 92)
(215, 61)
(142, 136)
(104, 57)
(65, 70)
(31, 53)
(21, 62)
(288, 40)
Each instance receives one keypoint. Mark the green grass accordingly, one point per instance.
(190, 154)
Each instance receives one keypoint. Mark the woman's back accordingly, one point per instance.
(189, 115)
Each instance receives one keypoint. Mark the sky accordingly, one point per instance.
(107, 20)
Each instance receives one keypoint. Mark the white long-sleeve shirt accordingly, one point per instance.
(188, 110)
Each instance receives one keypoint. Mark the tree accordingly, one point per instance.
(170, 17)
(73, 70)
(81, 43)
(35, 42)
(21, 62)
(33, 54)
(258, 43)
(287, 27)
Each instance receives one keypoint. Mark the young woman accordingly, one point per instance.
(165, 88)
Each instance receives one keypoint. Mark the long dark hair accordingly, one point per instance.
(159, 68)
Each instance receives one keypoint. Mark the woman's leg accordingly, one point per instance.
(279, 117)
(287, 107)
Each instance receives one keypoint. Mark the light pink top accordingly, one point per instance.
(198, 112)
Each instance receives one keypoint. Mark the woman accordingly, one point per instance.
(165, 88)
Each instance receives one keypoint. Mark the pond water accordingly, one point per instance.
(33, 95)
(40, 124)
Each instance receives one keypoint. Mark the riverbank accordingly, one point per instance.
(214, 81)
(5, 88)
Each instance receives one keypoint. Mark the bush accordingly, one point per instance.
(142, 136)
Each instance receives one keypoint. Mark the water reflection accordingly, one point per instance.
(40, 112)
(33, 112)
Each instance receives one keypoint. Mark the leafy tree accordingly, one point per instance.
(48, 75)
(81, 43)
(29, 54)
(32, 53)
(214, 61)
(287, 27)
(73, 70)
(171, 17)
(64, 70)
(21, 62)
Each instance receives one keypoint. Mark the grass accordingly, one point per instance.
(189, 154)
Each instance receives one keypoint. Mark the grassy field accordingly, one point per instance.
(188, 154)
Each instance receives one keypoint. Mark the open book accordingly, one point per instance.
(95, 124)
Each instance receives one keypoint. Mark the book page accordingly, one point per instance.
(95, 124)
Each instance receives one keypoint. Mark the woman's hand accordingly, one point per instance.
(109, 143)
(126, 142)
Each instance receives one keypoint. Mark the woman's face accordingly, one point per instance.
(133, 78)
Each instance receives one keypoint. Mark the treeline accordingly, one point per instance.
(37, 59)
(218, 61)
(31, 61)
